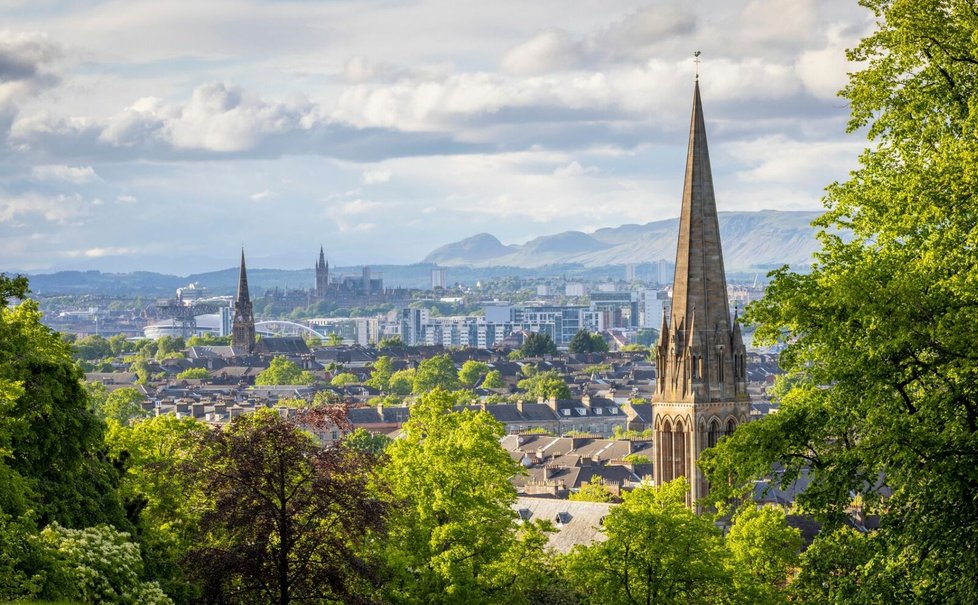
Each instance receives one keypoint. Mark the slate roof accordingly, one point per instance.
(576, 522)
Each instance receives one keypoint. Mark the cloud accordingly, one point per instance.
(359, 206)
(25, 60)
(126, 199)
(574, 169)
(57, 208)
(69, 174)
(261, 195)
(372, 177)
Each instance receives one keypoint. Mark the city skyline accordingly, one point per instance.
(144, 133)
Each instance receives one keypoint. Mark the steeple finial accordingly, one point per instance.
(696, 62)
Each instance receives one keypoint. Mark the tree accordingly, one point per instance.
(763, 554)
(333, 339)
(343, 378)
(283, 371)
(493, 380)
(455, 525)
(402, 382)
(471, 372)
(434, 372)
(585, 342)
(593, 491)
(50, 437)
(881, 332)
(169, 346)
(538, 344)
(380, 375)
(364, 441)
(100, 565)
(123, 404)
(390, 342)
(657, 551)
(289, 519)
(92, 347)
(545, 384)
(194, 374)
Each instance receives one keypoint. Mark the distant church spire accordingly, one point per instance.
(243, 324)
(701, 380)
(322, 275)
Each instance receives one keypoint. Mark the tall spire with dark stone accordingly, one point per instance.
(700, 355)
(243, 324)
(322, 275)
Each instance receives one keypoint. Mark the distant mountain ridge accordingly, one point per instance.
(751, 240)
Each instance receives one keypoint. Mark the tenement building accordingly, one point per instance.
(701, 380)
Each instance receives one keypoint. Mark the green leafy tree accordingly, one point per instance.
(763, 554)
(493, 380)
(92, 347)
(333, 339)
(343, 378)
(585, 342)
(594, 490)
(123, 405)
(50, 436)
(283, 371)
(455, 525)
(545, 384)
(435, 372)
(380, 374)
(194, 374)
(119, 345)
(390, 342)
(471, 372)
(538, 344)
(101, 565)
(169, 346)
(206, 339)
(364, 441)
(657, 551)
(881, 332)
(402, 382)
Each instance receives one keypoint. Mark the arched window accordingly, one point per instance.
(731, 426)
(714, 435)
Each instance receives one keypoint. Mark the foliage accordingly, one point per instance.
(545, 384)
(471, 372)
(343, 378)
(538, 344)
(636, 458)
(123, 404)
(49, 435)
(91, 347)
(283, 371)
(594, 490)
(380, 374)
(455, 524)
(435, 372)
(194, 374)
(169, 346)
(493, 380)
(881, 332)
(289, 517)
(763, 554)
(333, 339)
(208, 340)
(362, 440)
(585, 342)
(657, 551)
(101, 566)
(390, 342)
(402, 382)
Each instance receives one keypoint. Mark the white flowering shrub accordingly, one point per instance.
(103, 566)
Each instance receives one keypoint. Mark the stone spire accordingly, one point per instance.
(243, 323)
(700, 355)
(322, 275)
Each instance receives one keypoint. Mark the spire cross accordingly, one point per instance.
(696, 61)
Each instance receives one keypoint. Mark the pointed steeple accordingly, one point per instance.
(243, 321)
(243, 294)
(700, 284)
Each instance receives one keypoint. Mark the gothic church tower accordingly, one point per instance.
(243, 324)
(322, 275)
(701, 379)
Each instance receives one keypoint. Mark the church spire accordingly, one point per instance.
(243, 295)
(700, 284)
(243, 322)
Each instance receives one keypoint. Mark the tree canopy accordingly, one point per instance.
(585, 342)
(283, 371)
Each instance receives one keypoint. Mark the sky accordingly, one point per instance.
(148, 135)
